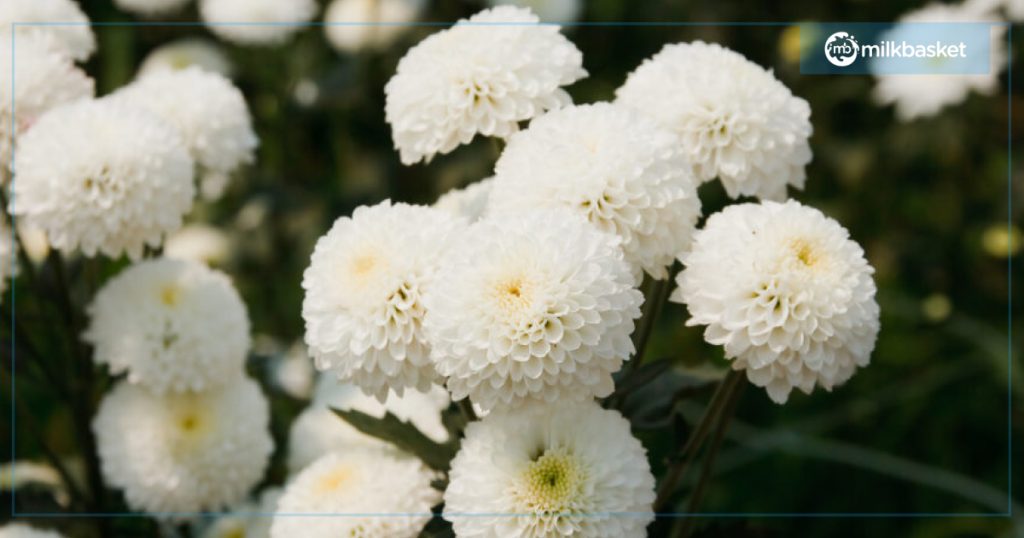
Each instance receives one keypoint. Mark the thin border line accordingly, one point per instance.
(883, 515)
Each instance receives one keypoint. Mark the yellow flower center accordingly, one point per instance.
(805, 252)
(170, 295)
(334, 479)
(552, 482)
(514, 295)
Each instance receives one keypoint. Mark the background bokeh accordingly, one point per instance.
(924, 429)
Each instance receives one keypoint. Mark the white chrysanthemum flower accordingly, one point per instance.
(185, 53)
(468, 202)
(786, 292)
(392, 490)
(172, 325)
(18, 530)
(482, 76)
(208, 111)
(547, 10)
(364, 295)
(102, 177)
(622, 172)
(535, 306)
(318, 431)
(920, 95)
(559, 469)
(735, 120)
(73, 37)
(200, 243)
(150, 8)
(8, 254)
(43, 78)
(188, 452)
(256, 22)
(354, 25)
(249, 520)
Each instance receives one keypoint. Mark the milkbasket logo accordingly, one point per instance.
(841, 49)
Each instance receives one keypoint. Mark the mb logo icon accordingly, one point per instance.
(841, 49)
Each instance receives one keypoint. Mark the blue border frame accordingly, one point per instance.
(723, 515)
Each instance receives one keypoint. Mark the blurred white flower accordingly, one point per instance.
(482, 76)
(186, 452)
(172, 325)
(735, 120)
(210, 113)
(150, 8)
(621, 171)
(563, 469)
(357, 481)
(8, 253)
(102, 177)
(73, 37)
(920, 95)
(547, 10)
(318, 431)
(256, 22)
(34, 241)
(364, 295)
(293, 371)
(185, 53)
(354, 25)
(199, 243)
(534, 306)
(19, 530)
(1015, 10)
(468, 202)
(786, 292)
(42, 78)
(248, 520)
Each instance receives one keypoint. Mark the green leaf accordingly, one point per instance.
(403, 435)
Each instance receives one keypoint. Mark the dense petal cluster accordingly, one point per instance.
(99, 176)
(786, 292)
(318, 431)
(624, 173)
(256, 22)
(150, 8)
(562, 469)
(208, 111)
(393, 490)
(922, 95)
(469, 202)
(354, 25)
(172, 325)
(41, 79)
(537, 306)
(364, 295)
(18, 530)
(735, 120)
(185, 53)
(73, 37)
(185, 452)
(482, 76)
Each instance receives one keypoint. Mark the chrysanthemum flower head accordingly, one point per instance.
(99, 176)
(185, 452)
(786, 292)
(73, 37)
(468, 202)
(392, 490)
(185, 53)
(535, 306)
(735, 120)
(256, 22)
(172, 325)
(364, 295)
(482, 76)
(19, 530)
(208, 111)
(550, 470)
(377, 22)
(621, 171)
(150, 8)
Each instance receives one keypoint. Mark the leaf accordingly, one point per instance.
(403, 435)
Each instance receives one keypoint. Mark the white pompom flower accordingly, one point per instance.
(42, 78)
(184, 53)
(786, 292)
(256, 22)
(184, 453)
(735, 120)
(482, 76)
(171, 325)
(318, 430)
(386, 495)
(469, 202)
(19, 530)
(536, 306)
(73, 36)
(554, 470)
(210, 113)
(364, 288)
(624, 173)
(150, 8)
(356, 25)
(98, 176)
